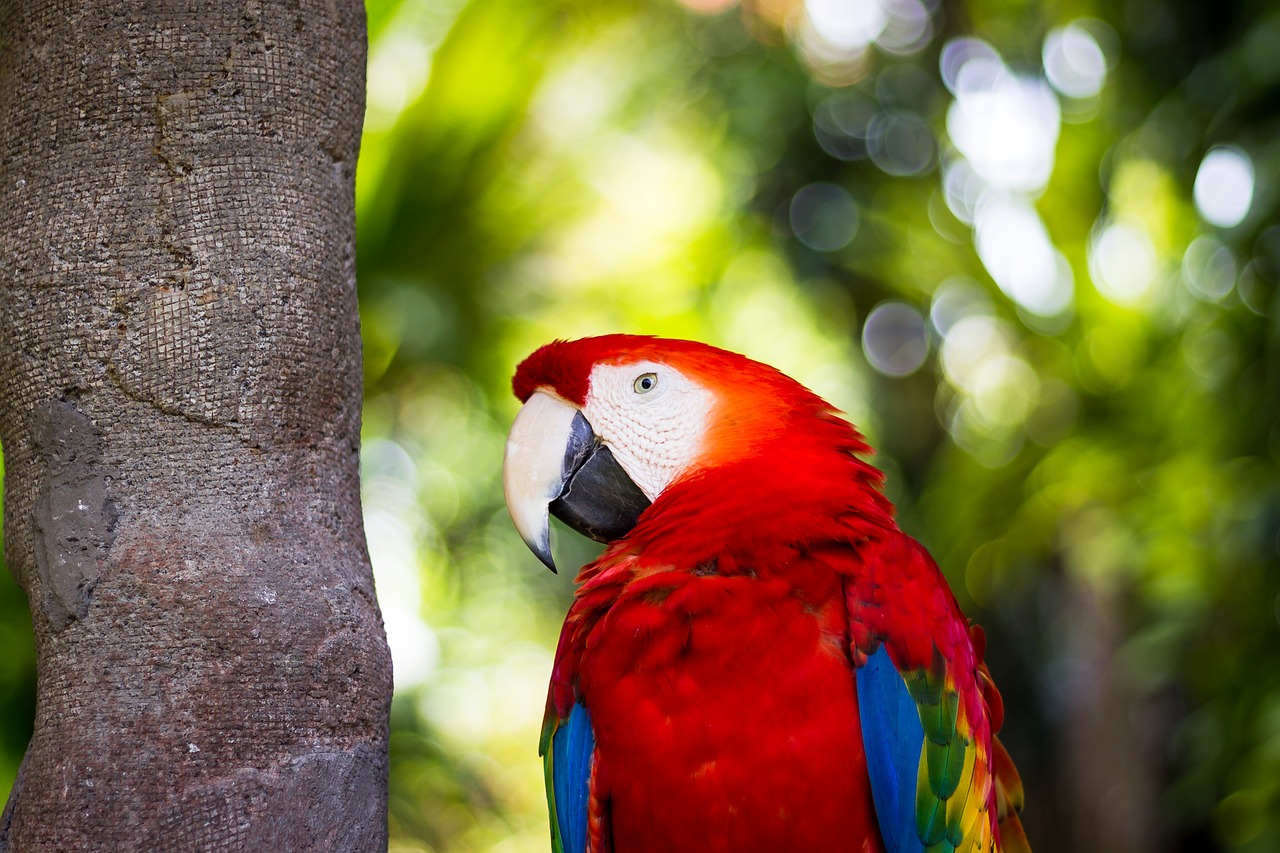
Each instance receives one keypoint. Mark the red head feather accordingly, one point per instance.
(565, 368)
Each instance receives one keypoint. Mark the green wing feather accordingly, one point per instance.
(549, 726)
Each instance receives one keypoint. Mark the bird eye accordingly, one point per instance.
(645, 383)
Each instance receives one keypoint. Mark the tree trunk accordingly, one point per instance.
(180, 389)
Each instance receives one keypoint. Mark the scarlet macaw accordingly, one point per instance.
(760, 660)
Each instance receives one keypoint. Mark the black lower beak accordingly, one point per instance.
(598, 500)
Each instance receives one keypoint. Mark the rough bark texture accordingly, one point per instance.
(179, 410)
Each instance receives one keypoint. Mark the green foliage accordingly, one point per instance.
(1069, 369)
(1096, 474)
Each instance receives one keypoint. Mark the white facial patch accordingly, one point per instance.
(652, 417)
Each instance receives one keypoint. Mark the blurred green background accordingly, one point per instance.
(1029, 248)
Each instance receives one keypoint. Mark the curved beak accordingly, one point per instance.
(555, 463)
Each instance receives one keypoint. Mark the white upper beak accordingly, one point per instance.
(533, 468)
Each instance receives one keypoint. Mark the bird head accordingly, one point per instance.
(611, 424)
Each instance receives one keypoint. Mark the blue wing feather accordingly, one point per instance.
(572, 749)
(892, 737)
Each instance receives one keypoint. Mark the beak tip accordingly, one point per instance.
(542, 550)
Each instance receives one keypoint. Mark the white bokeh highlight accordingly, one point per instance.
(848, 25)
(1074, 63)
(1224, 186)
(1122, 263)
(1005, 125)
(1016, 250)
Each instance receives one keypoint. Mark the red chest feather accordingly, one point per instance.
(725, 714)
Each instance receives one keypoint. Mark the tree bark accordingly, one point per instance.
(180, 388)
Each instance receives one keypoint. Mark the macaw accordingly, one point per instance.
(760, 660)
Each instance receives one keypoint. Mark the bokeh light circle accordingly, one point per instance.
(894, 339)
(900, 143)
(824, 216)
(1074, 62)
(1224, 186)
(1122, 263)
(840, 124)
